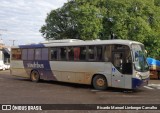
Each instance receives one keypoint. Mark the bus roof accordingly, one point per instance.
(59, 43)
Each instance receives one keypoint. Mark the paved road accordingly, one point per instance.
(15, 90)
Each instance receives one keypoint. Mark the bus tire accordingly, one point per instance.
(34, 76)
(100, 82)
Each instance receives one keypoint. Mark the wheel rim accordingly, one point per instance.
(35, 76)
(100, 82)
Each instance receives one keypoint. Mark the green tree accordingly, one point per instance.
(78, 19)
(59, 24)
(104, 19)
(134, 20)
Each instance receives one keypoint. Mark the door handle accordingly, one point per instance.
(112, 75)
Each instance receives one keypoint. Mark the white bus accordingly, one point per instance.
(101, 63)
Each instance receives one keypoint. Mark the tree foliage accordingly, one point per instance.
(104, 19)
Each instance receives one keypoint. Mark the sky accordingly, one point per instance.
(21, 20)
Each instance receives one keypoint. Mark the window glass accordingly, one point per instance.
(37, 54)
(70, 53)
(91, 53)
(99, 53)
(63, 53)
(30, 54)
(24, 54)
(107, 53)
(121, 58)
(54, 53)
(76, 53)
(16, 54)
(82, 54)
(44, 53)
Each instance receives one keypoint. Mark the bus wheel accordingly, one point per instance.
(35, 77)
(100, 82)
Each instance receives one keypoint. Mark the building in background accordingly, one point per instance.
(4, 55)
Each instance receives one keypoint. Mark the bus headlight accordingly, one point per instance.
(138, 76)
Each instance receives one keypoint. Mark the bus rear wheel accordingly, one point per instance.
(35, 77)
(100, 82)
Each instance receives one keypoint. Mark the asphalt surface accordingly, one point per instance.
(14, 90)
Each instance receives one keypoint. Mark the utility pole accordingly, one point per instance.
(1, 32)
(12, 42)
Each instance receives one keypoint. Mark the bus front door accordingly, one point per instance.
(118, 79)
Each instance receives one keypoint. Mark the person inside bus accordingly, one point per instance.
(76, 53)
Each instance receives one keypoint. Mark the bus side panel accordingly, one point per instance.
(17, 69)
(68, 77)
(128, 81)
(108, 72)
(76, 72)
(43, 67)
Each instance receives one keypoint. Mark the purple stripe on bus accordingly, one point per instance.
(31, 46)
(42, 66)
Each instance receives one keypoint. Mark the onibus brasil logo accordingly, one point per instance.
(20, 107)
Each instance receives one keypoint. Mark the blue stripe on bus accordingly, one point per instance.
(31, 46)
(43, 68)
(136, 83)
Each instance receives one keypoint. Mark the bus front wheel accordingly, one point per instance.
(35, 77)
(100, 82)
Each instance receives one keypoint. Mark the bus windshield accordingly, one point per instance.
(139, 58)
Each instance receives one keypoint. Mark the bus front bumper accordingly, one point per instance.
(137, 83)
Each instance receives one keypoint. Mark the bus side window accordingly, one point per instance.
(99, 53)
(16, 54)
(24, 54)
(83, 52)
(44, 53)
(30, 54)
(63, 53)
(76, 53)
(107, 53)
(70, 53)
(38, 54)
(91, 53)
(54, 53)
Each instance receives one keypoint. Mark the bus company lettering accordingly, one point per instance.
(35, 65)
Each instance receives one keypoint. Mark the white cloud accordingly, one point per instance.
(23, 18)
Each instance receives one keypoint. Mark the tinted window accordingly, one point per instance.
(30, 54)
(63, 53)
(82, 54)
(107, 53)
(76, 53)
(121, 58)
(44, 53)
(16, 54)
(91, 53)
(24, 54)
(99, 52)
(70, 53)
(37, 54)
(54, 53)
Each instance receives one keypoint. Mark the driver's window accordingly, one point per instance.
(118, 61)
(122, 59)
